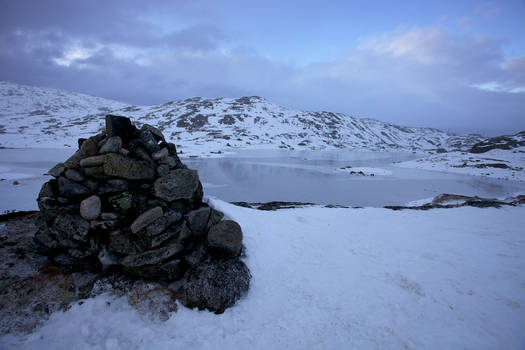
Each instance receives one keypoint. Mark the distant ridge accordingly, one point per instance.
(44, 117)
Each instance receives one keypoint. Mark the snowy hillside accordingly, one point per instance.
(42, 117)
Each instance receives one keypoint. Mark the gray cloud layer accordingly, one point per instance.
(155, 51)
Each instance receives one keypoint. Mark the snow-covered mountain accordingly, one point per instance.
(43, 117)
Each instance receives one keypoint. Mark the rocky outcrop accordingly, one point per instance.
(124, 201)
(500, 142)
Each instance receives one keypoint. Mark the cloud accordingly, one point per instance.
(421, 76)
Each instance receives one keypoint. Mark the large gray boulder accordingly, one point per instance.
(215, 285)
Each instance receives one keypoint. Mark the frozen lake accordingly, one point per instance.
(261, 176)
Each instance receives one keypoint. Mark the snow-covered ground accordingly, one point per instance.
(339, 279)
(497, 163)
(365, 171)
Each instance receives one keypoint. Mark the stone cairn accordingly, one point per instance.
(125, 202)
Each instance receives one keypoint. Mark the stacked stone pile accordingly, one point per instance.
(125, 201)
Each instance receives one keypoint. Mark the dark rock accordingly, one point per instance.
(180, 231)
(89, 147)
(198, 221)
(73, 162)
(145, 219)
(171, 270)
(95, 171)
(173, 162)
(74, 175)
(70, 226)
(50, 208)
(149, 142)
(112, 145)
(93, 161)
(114, 185)
(46, 243)
(119, 126)
(141, 153)
(196, 256)
(179, 184)
(71, 263)
(160, 224)
(215, 217)
(128, 168)
(225, 238)
(57, 170)
(154, 131)
(109, 216)
(92, 184)
(152, 257)
(47, 189)
(123, 151)
(90, 207)
(441, 150)
(162, 153)
(120, 242)
(71, 189)
(216, 285)
(163, 170)
(103, 225)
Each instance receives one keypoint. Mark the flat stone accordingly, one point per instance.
(70, 226)
(94, 171)
(112, 145)
(198, 221)
(154, 131)
(92, 161)
(109, 216)
(225, 238)
(145, 219)
(163, 152)
(159, 225)
(152, 257)
(69, 189)
(73, 162)
(74, 175)
(123, 151)
(57, 170)
(173, 162)
(179, 184)
(141, 153)
(119, 126)
(90, 207)
(128, 168)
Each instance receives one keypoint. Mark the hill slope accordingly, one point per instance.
(43, 117)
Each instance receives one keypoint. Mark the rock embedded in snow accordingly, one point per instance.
(141, 213)
(216, 285)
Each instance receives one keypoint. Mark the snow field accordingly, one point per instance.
(339, 279)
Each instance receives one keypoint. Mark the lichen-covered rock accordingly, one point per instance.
(112, 145)
(179, 184)
(145, 219)
(216, 285)
(71, 189)
(127, 168)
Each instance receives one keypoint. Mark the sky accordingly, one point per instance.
(454, 65)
